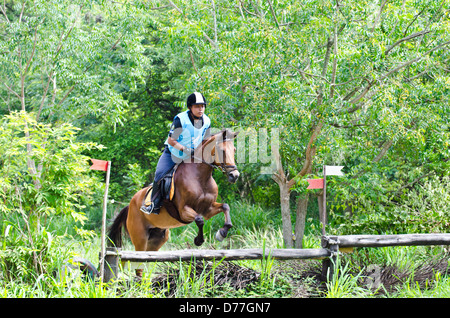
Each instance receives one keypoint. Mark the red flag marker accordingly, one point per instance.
(103, 166)
(315, 183)
(99, 165)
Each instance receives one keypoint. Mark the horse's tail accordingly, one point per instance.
(115, 231)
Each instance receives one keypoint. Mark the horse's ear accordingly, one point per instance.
(228, 134)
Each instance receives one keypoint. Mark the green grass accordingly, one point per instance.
(254, 227)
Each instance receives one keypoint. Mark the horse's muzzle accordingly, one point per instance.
(233, 176)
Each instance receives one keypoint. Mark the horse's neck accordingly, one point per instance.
(203, 170)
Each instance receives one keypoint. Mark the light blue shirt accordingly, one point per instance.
(190, 136)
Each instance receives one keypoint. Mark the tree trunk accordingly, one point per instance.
(286, 185)
(286, 214)
(301, 210)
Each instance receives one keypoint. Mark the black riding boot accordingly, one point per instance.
(155, 205)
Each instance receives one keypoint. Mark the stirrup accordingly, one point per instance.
(151, 209)
(147, 209)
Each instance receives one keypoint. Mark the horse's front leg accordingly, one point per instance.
(200, 222)
(190, 215)
(223, 232)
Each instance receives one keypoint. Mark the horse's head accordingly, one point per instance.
(222, 152)
(225, 152)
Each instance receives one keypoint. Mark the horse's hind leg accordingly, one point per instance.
(156, 238)
(153, 241)
(139, 237)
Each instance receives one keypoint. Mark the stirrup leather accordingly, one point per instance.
(148, 196)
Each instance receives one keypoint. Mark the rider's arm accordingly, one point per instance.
(174, 133)
(175, 144)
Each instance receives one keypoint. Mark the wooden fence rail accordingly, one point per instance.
(393, 240)
(187, 255)
(328, 252)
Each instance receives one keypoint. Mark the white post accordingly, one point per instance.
(105, 199)
(324, 205)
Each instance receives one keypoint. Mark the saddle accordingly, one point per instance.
(166, 191)
(166, 187)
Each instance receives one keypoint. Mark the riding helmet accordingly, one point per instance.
(196, 98)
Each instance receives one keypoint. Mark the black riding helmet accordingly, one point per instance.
(195, 98)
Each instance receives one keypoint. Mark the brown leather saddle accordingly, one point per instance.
(167, 188)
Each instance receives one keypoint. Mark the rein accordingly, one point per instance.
(222, 167)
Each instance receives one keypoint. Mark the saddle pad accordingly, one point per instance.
(148, 195)
(170, 191)
(167, 191)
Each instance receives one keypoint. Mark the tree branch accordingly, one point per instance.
(210, 40)
(3, 9)
(392, 71)
(386, 145)
(21, 12)
(409, 37)
(327, 57)
(333, 74)
(417, 59)
(278, 176)
(273, 14)
(62, 38)
(193, 63)
(414, 19)
(27, 66)
(378, 15)
(12, 91)
(161, 7)
(175, 7)
(242, 6)
(215, 21)
(309, 154)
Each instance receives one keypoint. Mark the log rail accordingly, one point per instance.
(328, 253)
(393, 240)
(199, 254)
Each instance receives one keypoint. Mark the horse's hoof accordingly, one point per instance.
(219, 236)
(198, 241)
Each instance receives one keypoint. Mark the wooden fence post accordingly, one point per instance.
(328, 265)
(110, 264)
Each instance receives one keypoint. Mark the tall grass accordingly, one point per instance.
(254, 227)
(345, 284)
(439, 287)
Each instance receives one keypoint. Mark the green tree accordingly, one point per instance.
(64, 60)
(352, 83)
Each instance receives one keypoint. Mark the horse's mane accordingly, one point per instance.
(226, 133)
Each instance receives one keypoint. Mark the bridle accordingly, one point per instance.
(222, 166)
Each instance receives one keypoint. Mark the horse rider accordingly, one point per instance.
(188, 130)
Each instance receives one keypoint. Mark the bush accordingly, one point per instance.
(423, 209)
(43, 175)
(25, 254)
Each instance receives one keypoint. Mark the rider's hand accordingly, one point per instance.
(188, 151)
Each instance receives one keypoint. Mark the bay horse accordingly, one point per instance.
(194, 198)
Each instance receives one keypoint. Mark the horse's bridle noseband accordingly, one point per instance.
(224, 168)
